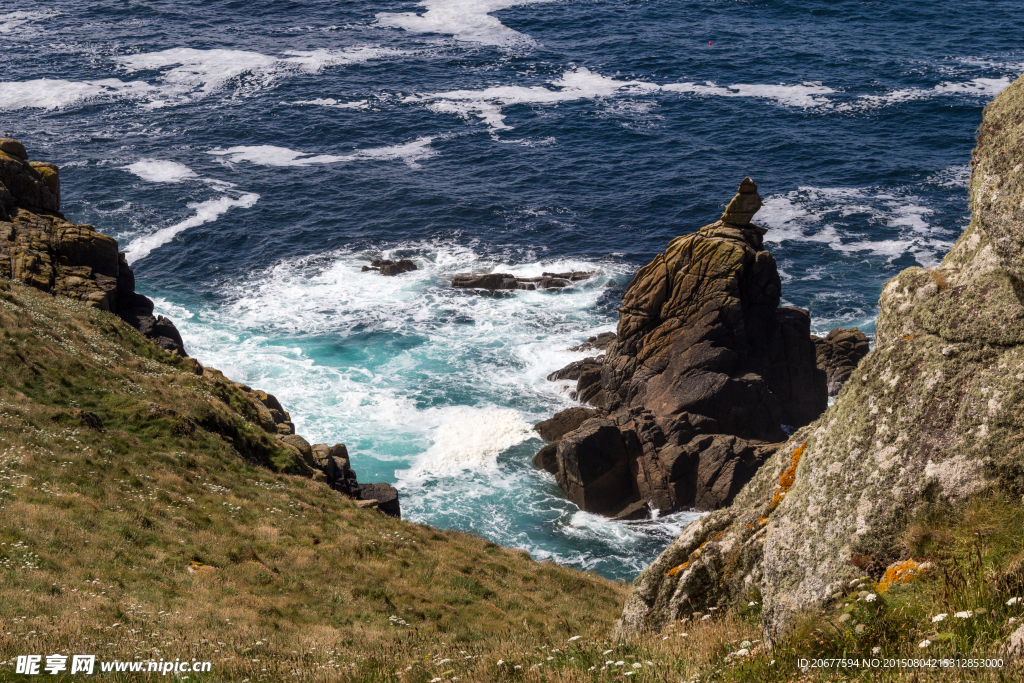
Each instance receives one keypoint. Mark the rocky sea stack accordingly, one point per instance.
(703, 377)
(929, 419)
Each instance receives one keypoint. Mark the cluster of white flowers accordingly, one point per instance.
(939, 617)
(870, 597)
(1012, 601)
(964, 615)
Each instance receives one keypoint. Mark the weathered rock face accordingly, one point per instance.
(40, 248)
(933, 413)
(493, 281)
(703, 373)
(554, 429)
(838, 354)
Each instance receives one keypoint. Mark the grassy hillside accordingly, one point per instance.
(173, 530)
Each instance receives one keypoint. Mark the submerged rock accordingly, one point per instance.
(704, 372)
(495, 281)
(838, 353)
(930, 416)
(43, 250)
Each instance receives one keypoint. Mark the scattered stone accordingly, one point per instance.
(388, 267)
(386, 496)
(838, 354)
(89, 419)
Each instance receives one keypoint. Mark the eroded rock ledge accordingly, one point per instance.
(930, 416)
(39, 247)
(494, 281)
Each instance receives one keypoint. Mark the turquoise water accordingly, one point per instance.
(251, 157)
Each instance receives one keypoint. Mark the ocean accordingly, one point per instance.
(251, 157)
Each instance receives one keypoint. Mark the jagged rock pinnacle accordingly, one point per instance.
(744, 205)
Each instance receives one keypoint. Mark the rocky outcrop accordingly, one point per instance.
(494, 281)
(43, 250)
(838, 354)
(553, 429)
(388, 267)
(931, 415)
(705, 371)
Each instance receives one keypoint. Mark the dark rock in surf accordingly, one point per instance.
(553, 429)
(388, 267)
(505, 281)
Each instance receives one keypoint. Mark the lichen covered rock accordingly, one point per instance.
(932, 413)
(705, 370)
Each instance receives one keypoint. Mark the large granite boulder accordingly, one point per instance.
(43, 250)
(838, 354)
(553, 429)
(704, 374)
(930, 417)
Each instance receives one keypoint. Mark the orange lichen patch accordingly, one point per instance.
(909, 336)
(787, 478)
(676, 570)
(761, 521)
(903, 572)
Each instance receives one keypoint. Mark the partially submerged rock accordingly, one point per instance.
(704, 372)
(389, 267)
(932, 414)
(553, 429)
(495, 281)
(838, 354)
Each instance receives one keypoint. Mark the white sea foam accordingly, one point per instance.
(331, 102)
(161, 171)
(804, 95)
(467, 437)
(14, 21)
(977, 87)
(188, 73)
(584, 84)
(56, 93)
(205, 212)
(467, 20)
(268, 155)
(806, 215)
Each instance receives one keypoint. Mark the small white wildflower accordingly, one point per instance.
(607, 652)
(877, 650)
(964, 615)
(751, 604)
(592, 668)
(518, 666)
(619, 663)
(742, 652)
(629, 673)
(637, 665)
(924, 643)
(870, 597)
(684, 635)
(435, 680)
(771, 663)
(550, 658)
(500, 662)
(1012, 601)
(705, 617)
(1011, 620)
(575, 638)
(609, 663)
(649, 663)
(665, 638)
(939, 617)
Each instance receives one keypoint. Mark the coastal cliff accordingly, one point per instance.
(930, 420)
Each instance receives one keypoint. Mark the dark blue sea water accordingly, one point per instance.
(251, 156)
